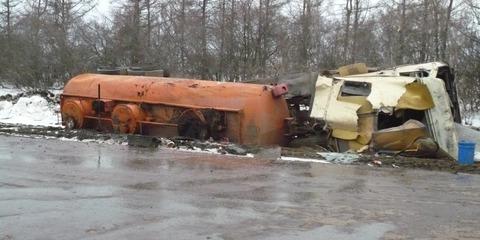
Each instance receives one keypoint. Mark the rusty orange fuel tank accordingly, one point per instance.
(238, 112)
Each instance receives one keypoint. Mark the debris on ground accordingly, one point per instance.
(61, 133)
(343, 158)
(377, 162)
(278, 154)
(447, 165)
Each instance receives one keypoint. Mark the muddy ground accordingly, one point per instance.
(374, 160)
(389, 161)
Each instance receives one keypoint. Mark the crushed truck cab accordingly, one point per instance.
(406, 109)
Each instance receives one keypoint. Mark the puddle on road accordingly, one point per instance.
(143, 186)
(94, 191)
(94, 159)
(463, 179)
(367, 231)
(100, 162)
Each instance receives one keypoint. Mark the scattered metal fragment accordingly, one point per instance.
(377, 162)
(344, 158)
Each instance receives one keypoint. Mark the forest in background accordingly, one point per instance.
(46, 42)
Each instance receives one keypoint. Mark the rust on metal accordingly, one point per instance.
(242, 113)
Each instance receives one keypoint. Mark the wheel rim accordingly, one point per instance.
(69, 123)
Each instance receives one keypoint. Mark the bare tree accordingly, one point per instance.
(446, 29)
(401, 33)
(234, 40)
(346, 43)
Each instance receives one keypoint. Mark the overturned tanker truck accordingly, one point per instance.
(407, 109)
(242, 113)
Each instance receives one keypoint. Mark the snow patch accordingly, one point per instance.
(11, 91)
(295, 159)
(33, 110)
(476, 121)
(211, 151)
(329, 157)
(471, 119)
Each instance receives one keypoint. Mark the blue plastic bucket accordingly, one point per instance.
(466, 152)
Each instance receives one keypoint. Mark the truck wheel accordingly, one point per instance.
(125, 118)
(72, 114)
(191, 125)
(69, 123)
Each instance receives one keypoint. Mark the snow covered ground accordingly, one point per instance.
(11, 91)
(28, 110)
(475, 120)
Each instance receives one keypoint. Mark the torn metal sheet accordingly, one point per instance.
(415, 70)
(406, 70)
(323, 90)
(385, 91)
(341, 116)
(344, 134)
(341, 112)
(432, 69)
(366, 126)
(355, 146)
(416, 97)
(357, 68)
(365, 106)
(399, 138)
(440, 119)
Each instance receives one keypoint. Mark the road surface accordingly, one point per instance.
(52, 189)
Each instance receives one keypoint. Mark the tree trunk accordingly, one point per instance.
(182, 35)
(424, 43)
(8, 18)
(436, 27)
(232, 46)
(305, 37)
(148, 7)
(135, 58)
(401, 34)
(355, 31)
(348, 9)
(221, 67)
(446, 28)
(204, 64)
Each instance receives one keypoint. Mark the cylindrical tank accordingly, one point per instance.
(243, 113)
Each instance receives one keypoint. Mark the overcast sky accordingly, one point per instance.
(335, 9)
(102, 8)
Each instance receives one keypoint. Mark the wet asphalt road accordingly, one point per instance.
(51, 189)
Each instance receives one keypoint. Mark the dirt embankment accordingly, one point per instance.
(426, 163)
(375, 160)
